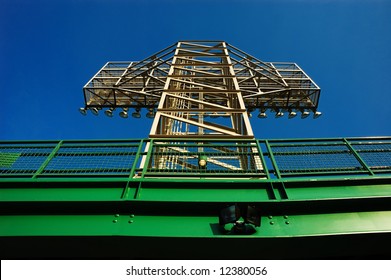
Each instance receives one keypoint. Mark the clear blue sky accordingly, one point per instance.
(50, 49)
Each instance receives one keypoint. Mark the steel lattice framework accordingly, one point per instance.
(190, 81)
(204, 90)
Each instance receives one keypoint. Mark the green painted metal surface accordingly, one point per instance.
(302, 188)
(191, 226)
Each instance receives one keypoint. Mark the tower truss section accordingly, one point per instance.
(201, 90)
(202, 70)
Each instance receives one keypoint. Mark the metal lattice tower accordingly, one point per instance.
(202, 90)
(193, 80)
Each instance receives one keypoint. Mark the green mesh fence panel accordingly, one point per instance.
(222, 158)
(23, 159)
(181, 158)
(93, 159)
(376, 155)
(297, 159)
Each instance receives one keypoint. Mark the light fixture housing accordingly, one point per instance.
(317, 114)
(124, 113)
(249, 112)
(234, 214)
(95, 111)
(229, 215)
(83, 111)
(136, 114)
(292, 114)
(262, 113)
(305, 114)
(151, 113)
(279, 114)
(109, 112)
(252, 216)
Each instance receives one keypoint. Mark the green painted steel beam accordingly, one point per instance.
(130, 224)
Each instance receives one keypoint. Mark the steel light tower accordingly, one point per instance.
(192, 80)
(201, 90)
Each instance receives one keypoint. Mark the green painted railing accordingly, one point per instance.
(166, 158)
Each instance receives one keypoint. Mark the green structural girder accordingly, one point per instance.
(136, 193)
(192, 226)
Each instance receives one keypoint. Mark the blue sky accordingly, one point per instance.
(50, 49)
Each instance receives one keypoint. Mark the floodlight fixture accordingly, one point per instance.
(109, 112)
(292, 114)
(83, 111)
(252, 216)
(262, 113)
(279, 114)
(95, 111)
(249, 112)
(243, 217)
(124, 113)
(305, 114)
(262, 116)
(151, 113)
(229, 215)
(317, 114)
(136, 114)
